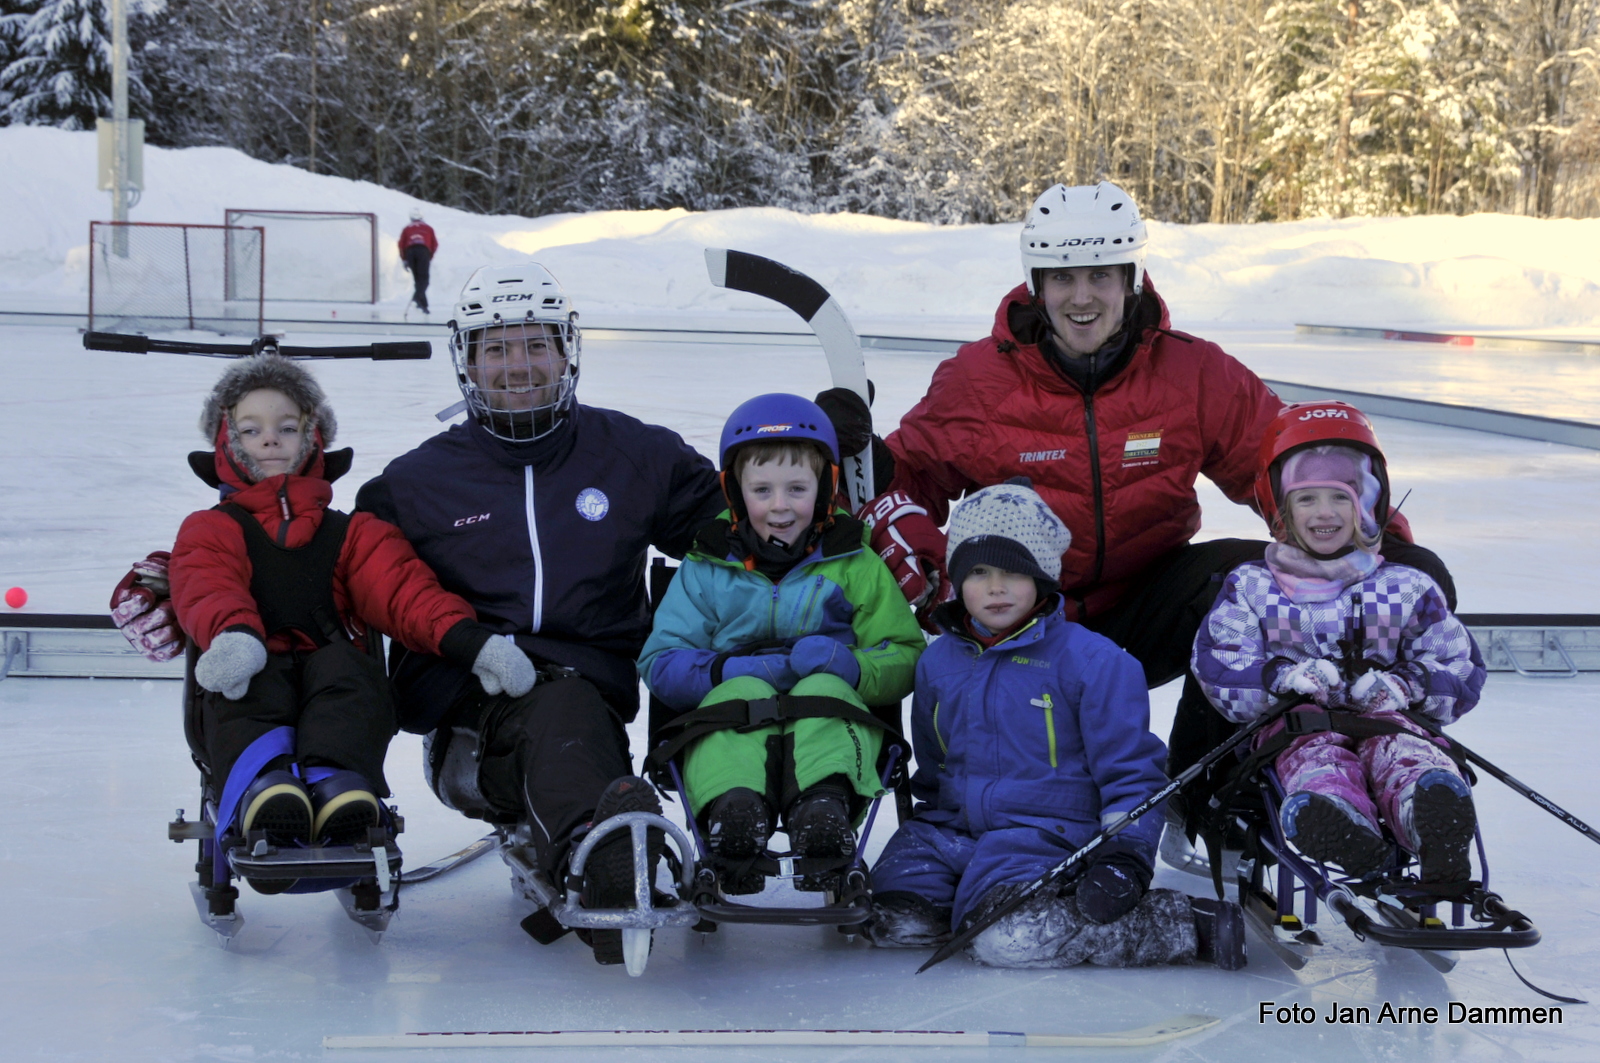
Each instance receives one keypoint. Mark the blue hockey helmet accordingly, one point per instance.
(779, 418)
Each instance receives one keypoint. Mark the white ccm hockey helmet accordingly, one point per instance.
(1085, 225)
(515, 345)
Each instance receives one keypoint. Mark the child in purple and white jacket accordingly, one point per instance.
(1274, 632)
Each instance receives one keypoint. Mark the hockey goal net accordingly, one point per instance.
(154, 277)
(316, 256)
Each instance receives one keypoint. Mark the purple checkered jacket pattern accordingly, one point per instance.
(1404, 623)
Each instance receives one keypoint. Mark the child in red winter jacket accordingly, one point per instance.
(278, 590)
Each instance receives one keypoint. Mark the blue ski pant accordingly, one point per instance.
(953, 869)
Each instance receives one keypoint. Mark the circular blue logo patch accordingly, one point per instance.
(593, 503)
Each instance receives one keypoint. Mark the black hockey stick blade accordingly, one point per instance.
(1061, 870)
(756, 275)
(1504, 776)
(745, 272)
(136, 344)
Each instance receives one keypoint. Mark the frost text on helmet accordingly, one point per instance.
(773, 428)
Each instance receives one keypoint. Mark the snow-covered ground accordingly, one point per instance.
(103, 955)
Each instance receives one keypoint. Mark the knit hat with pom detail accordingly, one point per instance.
(1009, 527)
(282, 375)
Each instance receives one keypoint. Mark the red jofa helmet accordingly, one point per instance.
(1308, 424)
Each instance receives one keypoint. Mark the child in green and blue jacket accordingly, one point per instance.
(781, 594)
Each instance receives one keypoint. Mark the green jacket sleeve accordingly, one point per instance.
(888, 640)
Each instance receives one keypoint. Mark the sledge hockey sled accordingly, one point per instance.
(1281, 889)
(847, 898)
(698, 899)
(365, 876)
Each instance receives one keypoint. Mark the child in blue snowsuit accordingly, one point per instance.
(1031, 733)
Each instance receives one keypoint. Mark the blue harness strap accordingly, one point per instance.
(278, 742)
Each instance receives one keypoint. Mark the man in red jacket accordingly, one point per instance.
(1084, 388)
(417, 247)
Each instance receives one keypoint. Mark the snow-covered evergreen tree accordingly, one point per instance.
(61, 74)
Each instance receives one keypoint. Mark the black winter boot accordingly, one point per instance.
(275, 802)
(1330, 832)
(608, 873)
(738, 824)
(345, 806)
(819, 827)
(1443, 820)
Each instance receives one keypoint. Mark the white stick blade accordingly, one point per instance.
(717, 265)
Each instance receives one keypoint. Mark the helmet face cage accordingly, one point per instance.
(519, 377)
(1087, 225)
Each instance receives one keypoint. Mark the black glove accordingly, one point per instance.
(852, 420)
(1116, 879)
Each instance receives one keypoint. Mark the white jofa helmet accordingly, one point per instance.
(1085, 225)
(416, 213)
(515, 345)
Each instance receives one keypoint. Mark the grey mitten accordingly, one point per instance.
(226, 668)
(502, 667)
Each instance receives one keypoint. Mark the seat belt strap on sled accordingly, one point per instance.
(753, 715)
(278, 742)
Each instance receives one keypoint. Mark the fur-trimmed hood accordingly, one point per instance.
(268, 371)
(232, 464)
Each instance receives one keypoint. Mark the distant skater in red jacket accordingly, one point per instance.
(417, 247)
(277, 590)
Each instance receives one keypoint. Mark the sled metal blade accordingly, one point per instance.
(227, 927)
(446, 864)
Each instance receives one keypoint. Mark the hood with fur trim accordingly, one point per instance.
(279, 374)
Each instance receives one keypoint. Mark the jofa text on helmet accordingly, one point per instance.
(1079, 241)
(1309, 414)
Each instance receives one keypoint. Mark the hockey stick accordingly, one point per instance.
(1522, 788)
(1061, 870)
(745, 272)
(1170, 1030)
(459, 858)
(135, 344)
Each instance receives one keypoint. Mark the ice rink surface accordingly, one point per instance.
(104, 958)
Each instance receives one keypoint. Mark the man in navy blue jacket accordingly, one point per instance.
(539, 511)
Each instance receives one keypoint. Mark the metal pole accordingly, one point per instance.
(119, 123)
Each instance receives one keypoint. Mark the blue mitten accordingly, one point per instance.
(819, 653)
(772, 667)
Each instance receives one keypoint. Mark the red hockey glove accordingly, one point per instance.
(142, 610)
(912, 546)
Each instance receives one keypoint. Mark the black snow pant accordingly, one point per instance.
(543, 758)
(337, 699)
(1157, 620)
(417, 258)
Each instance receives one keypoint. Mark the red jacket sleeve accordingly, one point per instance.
(931, 439)
(393, 589)
(210, 576)
(1235, 410)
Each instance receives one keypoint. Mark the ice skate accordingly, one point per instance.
(1442, 822)
(345, 807)
(608, 873)
(819, 828)
(1331, 832)
(737, 827)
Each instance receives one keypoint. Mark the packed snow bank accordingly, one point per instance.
(1485, 271)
